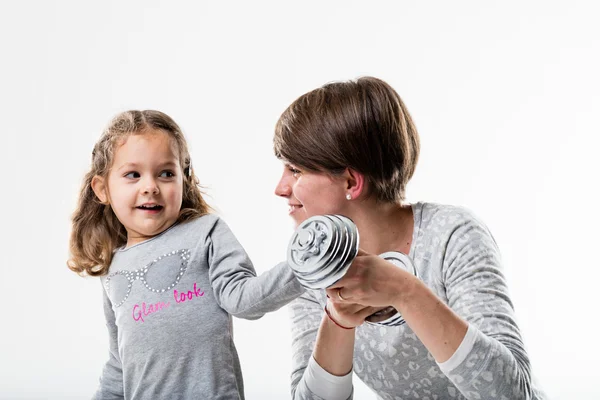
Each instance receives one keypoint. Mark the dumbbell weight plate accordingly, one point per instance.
(321, 250)
(350, 238)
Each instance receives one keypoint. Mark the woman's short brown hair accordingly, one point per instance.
(360, 124)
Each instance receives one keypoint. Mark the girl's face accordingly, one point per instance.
(311, 193)
(145, 185)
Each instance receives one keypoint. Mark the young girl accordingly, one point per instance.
(172, 273)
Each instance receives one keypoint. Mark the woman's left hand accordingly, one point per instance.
(371, 281)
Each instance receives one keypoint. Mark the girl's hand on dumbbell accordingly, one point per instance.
(348, 315)
(371, 281)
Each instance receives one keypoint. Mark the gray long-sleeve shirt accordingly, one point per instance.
(168, 303)
(458, 259)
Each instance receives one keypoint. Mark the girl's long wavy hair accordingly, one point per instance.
(96, 231)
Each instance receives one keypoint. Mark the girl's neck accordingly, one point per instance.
(384, 226)
(134, 238)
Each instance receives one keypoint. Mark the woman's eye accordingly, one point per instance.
(167, 174)
(295, 172)
(132, 175)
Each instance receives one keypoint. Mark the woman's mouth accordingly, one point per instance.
(293, 208)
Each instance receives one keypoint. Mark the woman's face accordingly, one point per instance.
(311, 193)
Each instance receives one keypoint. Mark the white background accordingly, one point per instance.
(505, 96)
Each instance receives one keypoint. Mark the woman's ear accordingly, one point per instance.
(355, 183)
(99, 188)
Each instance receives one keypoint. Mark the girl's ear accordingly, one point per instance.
(99, 188)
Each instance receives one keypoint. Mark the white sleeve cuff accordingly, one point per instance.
(326, 385)
(461, 352)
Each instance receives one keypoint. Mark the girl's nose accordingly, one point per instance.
(151, 187)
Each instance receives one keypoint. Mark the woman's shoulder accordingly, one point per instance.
(456, 229)
(435, 211)
(445, 217)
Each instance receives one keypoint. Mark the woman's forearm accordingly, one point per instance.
(439, 328)
(334, 348)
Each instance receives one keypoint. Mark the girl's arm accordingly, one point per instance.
(111, 381)
(237, 288)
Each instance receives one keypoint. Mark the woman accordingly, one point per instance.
(350, 148)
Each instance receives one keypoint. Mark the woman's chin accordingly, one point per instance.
(298, 219)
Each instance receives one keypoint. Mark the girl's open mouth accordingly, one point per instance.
(150, 207)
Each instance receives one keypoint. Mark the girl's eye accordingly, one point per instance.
(132, 175)
(167, 174)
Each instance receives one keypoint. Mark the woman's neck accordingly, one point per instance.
(383, 226)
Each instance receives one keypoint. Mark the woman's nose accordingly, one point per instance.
(283, 188)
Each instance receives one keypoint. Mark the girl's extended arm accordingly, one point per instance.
(237, 288)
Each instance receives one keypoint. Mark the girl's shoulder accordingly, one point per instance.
(205, 227)
(201, 225)
(202, 220)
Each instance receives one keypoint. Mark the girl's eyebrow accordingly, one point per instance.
(169, 164)
(136, 165)
(127, 165)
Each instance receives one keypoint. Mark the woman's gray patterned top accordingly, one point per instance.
(458, 259)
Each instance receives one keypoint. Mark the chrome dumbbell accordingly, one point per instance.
(322, 249)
